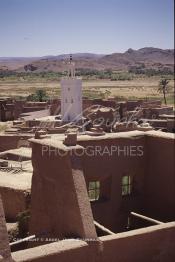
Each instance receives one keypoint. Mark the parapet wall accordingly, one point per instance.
(14, 201)
(11, 141)
(155, 243)
(63, 251)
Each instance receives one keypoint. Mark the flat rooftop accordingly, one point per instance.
(56, 140)
(19, 181)
(16, 178)
(21, 152)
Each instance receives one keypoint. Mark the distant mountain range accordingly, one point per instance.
(147, 57)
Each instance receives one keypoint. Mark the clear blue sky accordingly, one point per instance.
(52, 27)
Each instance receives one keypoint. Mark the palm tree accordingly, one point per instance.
(107, 93)
(163, 88)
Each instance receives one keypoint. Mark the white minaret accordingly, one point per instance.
(71, 95)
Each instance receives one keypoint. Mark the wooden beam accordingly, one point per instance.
(154, 221)
(22, 240)
(103, 228)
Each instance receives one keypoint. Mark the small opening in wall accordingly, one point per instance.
(126, 185)
(100, 190)
(94, 190)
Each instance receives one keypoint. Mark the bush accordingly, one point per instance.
(39, 96)
(121, 76)
(23, 223)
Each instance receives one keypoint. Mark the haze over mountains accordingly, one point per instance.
(148, 57)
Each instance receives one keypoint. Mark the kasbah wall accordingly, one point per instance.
(72, 216)
(154, 180)
(11, 141)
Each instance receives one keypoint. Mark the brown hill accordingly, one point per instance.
(147, 57)
(13, 63)
(150, 57)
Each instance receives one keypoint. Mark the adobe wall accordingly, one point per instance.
(153, 173)
(151, 103)
(6, 110)
(55, 106)
(2, 111)
(11, 141)
(42, 124)
(4, 243)
(171, 125)
(104, 118)
(113, 212)
(155, 243)
(154, 112)
(67, 251)
(14, 202)
(28, 109)
(102, 102)
(152, 168)
(160, 177)
(132, 104)
(33, 104)
(18, 108)
(59, 202)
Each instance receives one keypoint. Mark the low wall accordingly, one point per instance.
(8, 142)
(171, 125)
(66, 250)
(154, 243)
(156, 111)
(11, 141)
(132, 104)
(14, 202)
(33, 109)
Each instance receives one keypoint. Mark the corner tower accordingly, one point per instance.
(71, 95)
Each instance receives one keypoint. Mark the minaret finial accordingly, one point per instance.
(71, 58)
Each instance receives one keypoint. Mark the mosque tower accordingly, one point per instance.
(71, 95)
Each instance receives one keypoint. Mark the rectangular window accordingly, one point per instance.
(94, 190)
(126, 185)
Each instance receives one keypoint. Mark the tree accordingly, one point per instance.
(40, 95)
(107, 93)
(163, 88)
